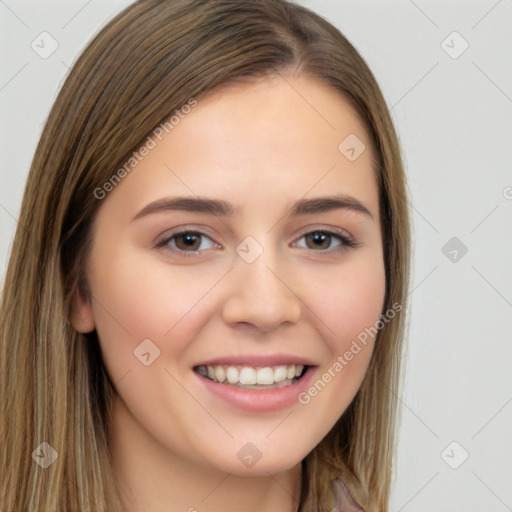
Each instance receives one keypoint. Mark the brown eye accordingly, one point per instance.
(325, 241)
(318, 240)
(188, 241)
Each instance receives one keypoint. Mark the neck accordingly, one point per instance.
(152, 477)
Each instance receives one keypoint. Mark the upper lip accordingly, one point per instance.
(258, 360)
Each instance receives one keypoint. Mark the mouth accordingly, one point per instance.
(254, 377)
(256, 383)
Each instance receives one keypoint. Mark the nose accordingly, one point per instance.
(261, 294)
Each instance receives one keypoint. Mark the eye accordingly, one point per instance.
(187, 242)
(323, 240)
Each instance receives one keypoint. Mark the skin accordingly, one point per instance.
(260, 146)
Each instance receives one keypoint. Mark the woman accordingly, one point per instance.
(202, 309)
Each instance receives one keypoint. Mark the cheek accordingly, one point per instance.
(349, 304)
(349, 300)
(133, 301)
(349, 309)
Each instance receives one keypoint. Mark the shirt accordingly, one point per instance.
(343, 499)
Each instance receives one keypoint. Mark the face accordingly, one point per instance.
(245, 247)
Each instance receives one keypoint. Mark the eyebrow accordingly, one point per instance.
(221, 208)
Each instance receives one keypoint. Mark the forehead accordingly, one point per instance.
(284, 112)
(272, 139)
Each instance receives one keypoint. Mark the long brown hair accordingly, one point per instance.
(147, 62)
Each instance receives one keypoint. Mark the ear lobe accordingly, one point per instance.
(81, 314)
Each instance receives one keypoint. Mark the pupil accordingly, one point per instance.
(319, 240)
(189, 241)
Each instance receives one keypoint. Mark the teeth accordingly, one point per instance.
(232, 375)
(250, 376)
(280, 374)
(220, 374)
(265, 376)
(247, 376)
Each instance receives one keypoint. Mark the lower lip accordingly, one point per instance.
(259, 400)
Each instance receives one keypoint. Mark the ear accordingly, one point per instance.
(81, 312)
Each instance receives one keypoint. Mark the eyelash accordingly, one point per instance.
(346, 242)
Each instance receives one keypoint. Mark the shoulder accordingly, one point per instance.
(343, 498)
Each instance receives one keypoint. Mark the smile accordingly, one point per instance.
(253, 377)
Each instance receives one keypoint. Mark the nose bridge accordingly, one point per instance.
(258, 294)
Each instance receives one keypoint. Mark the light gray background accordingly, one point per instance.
(453, 118)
